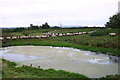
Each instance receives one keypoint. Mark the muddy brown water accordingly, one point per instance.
(62, 58)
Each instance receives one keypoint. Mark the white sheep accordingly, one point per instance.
(112, 34)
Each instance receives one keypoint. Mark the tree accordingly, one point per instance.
(33, 27)
(114, 21)
(45, 26)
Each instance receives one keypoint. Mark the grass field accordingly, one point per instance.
(40, 31)
(100, 43)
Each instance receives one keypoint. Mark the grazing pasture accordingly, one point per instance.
(98, 41)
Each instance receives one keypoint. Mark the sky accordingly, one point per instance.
(22, 13)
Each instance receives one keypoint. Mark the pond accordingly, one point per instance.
(88, 63)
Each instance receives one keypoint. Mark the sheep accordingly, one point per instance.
(38, 36)
(9, 38)
(61, 34)
(1, 38)
(112, 34)
(80, 33)
(14, 37)
(84, 32)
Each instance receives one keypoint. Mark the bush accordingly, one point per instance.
(99, 33)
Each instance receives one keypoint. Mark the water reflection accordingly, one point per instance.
(16, 57)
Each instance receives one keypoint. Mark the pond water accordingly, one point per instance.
(87, 63)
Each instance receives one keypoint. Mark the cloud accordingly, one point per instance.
(67, 12)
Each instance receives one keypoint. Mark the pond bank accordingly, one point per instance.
(37, 42)
(11, 71)
(24, 72)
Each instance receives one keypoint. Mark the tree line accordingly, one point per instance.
(32, 27)
(114, 21)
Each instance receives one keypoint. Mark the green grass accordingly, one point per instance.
(111, 77)
(104, 41)
(102, 32)
(40, 31)
(10, 71)
(104, 44)
(48, 42)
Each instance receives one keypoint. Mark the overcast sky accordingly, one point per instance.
(21, 13)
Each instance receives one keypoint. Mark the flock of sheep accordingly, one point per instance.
(45, 35)
(49, 34)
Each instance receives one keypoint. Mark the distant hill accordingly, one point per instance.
(70, 26)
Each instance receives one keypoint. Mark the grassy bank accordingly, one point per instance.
(10, 71)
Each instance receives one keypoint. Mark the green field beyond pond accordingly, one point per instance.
(99, 41)
(40, 31)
